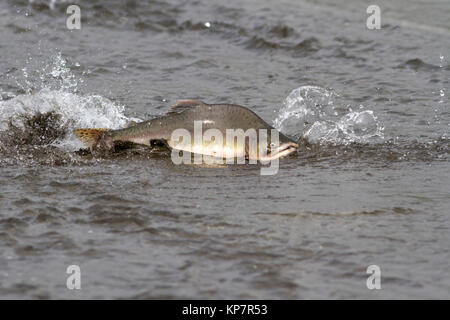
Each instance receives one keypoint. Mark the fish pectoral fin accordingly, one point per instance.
(180, 105)
(159, 143)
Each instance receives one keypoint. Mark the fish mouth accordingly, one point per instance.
(283, 150)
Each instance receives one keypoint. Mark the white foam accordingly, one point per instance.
(51, 86)
(320, 116)
(76, 111)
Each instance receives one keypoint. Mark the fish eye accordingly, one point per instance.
(272, 144)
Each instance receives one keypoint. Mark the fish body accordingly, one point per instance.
(191, 115)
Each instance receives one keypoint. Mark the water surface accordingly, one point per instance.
(370, 184)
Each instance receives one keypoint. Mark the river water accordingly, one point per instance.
(369, 186)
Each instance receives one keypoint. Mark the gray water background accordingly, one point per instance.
(141, 227)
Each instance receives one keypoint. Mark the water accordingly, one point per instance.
(370, 185)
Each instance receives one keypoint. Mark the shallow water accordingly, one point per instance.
(370, 184)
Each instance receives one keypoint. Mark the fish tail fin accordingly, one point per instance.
(90, 136)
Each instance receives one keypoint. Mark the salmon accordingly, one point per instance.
(248, 133)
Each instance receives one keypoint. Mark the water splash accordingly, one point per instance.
(54, 74)
(75, 111)
(320, 116)
(442, 90)
(53, 89)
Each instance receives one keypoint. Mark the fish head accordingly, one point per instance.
(281, 147)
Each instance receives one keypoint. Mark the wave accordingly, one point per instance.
(420, 65)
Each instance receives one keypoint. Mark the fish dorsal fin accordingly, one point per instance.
(184, 104)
